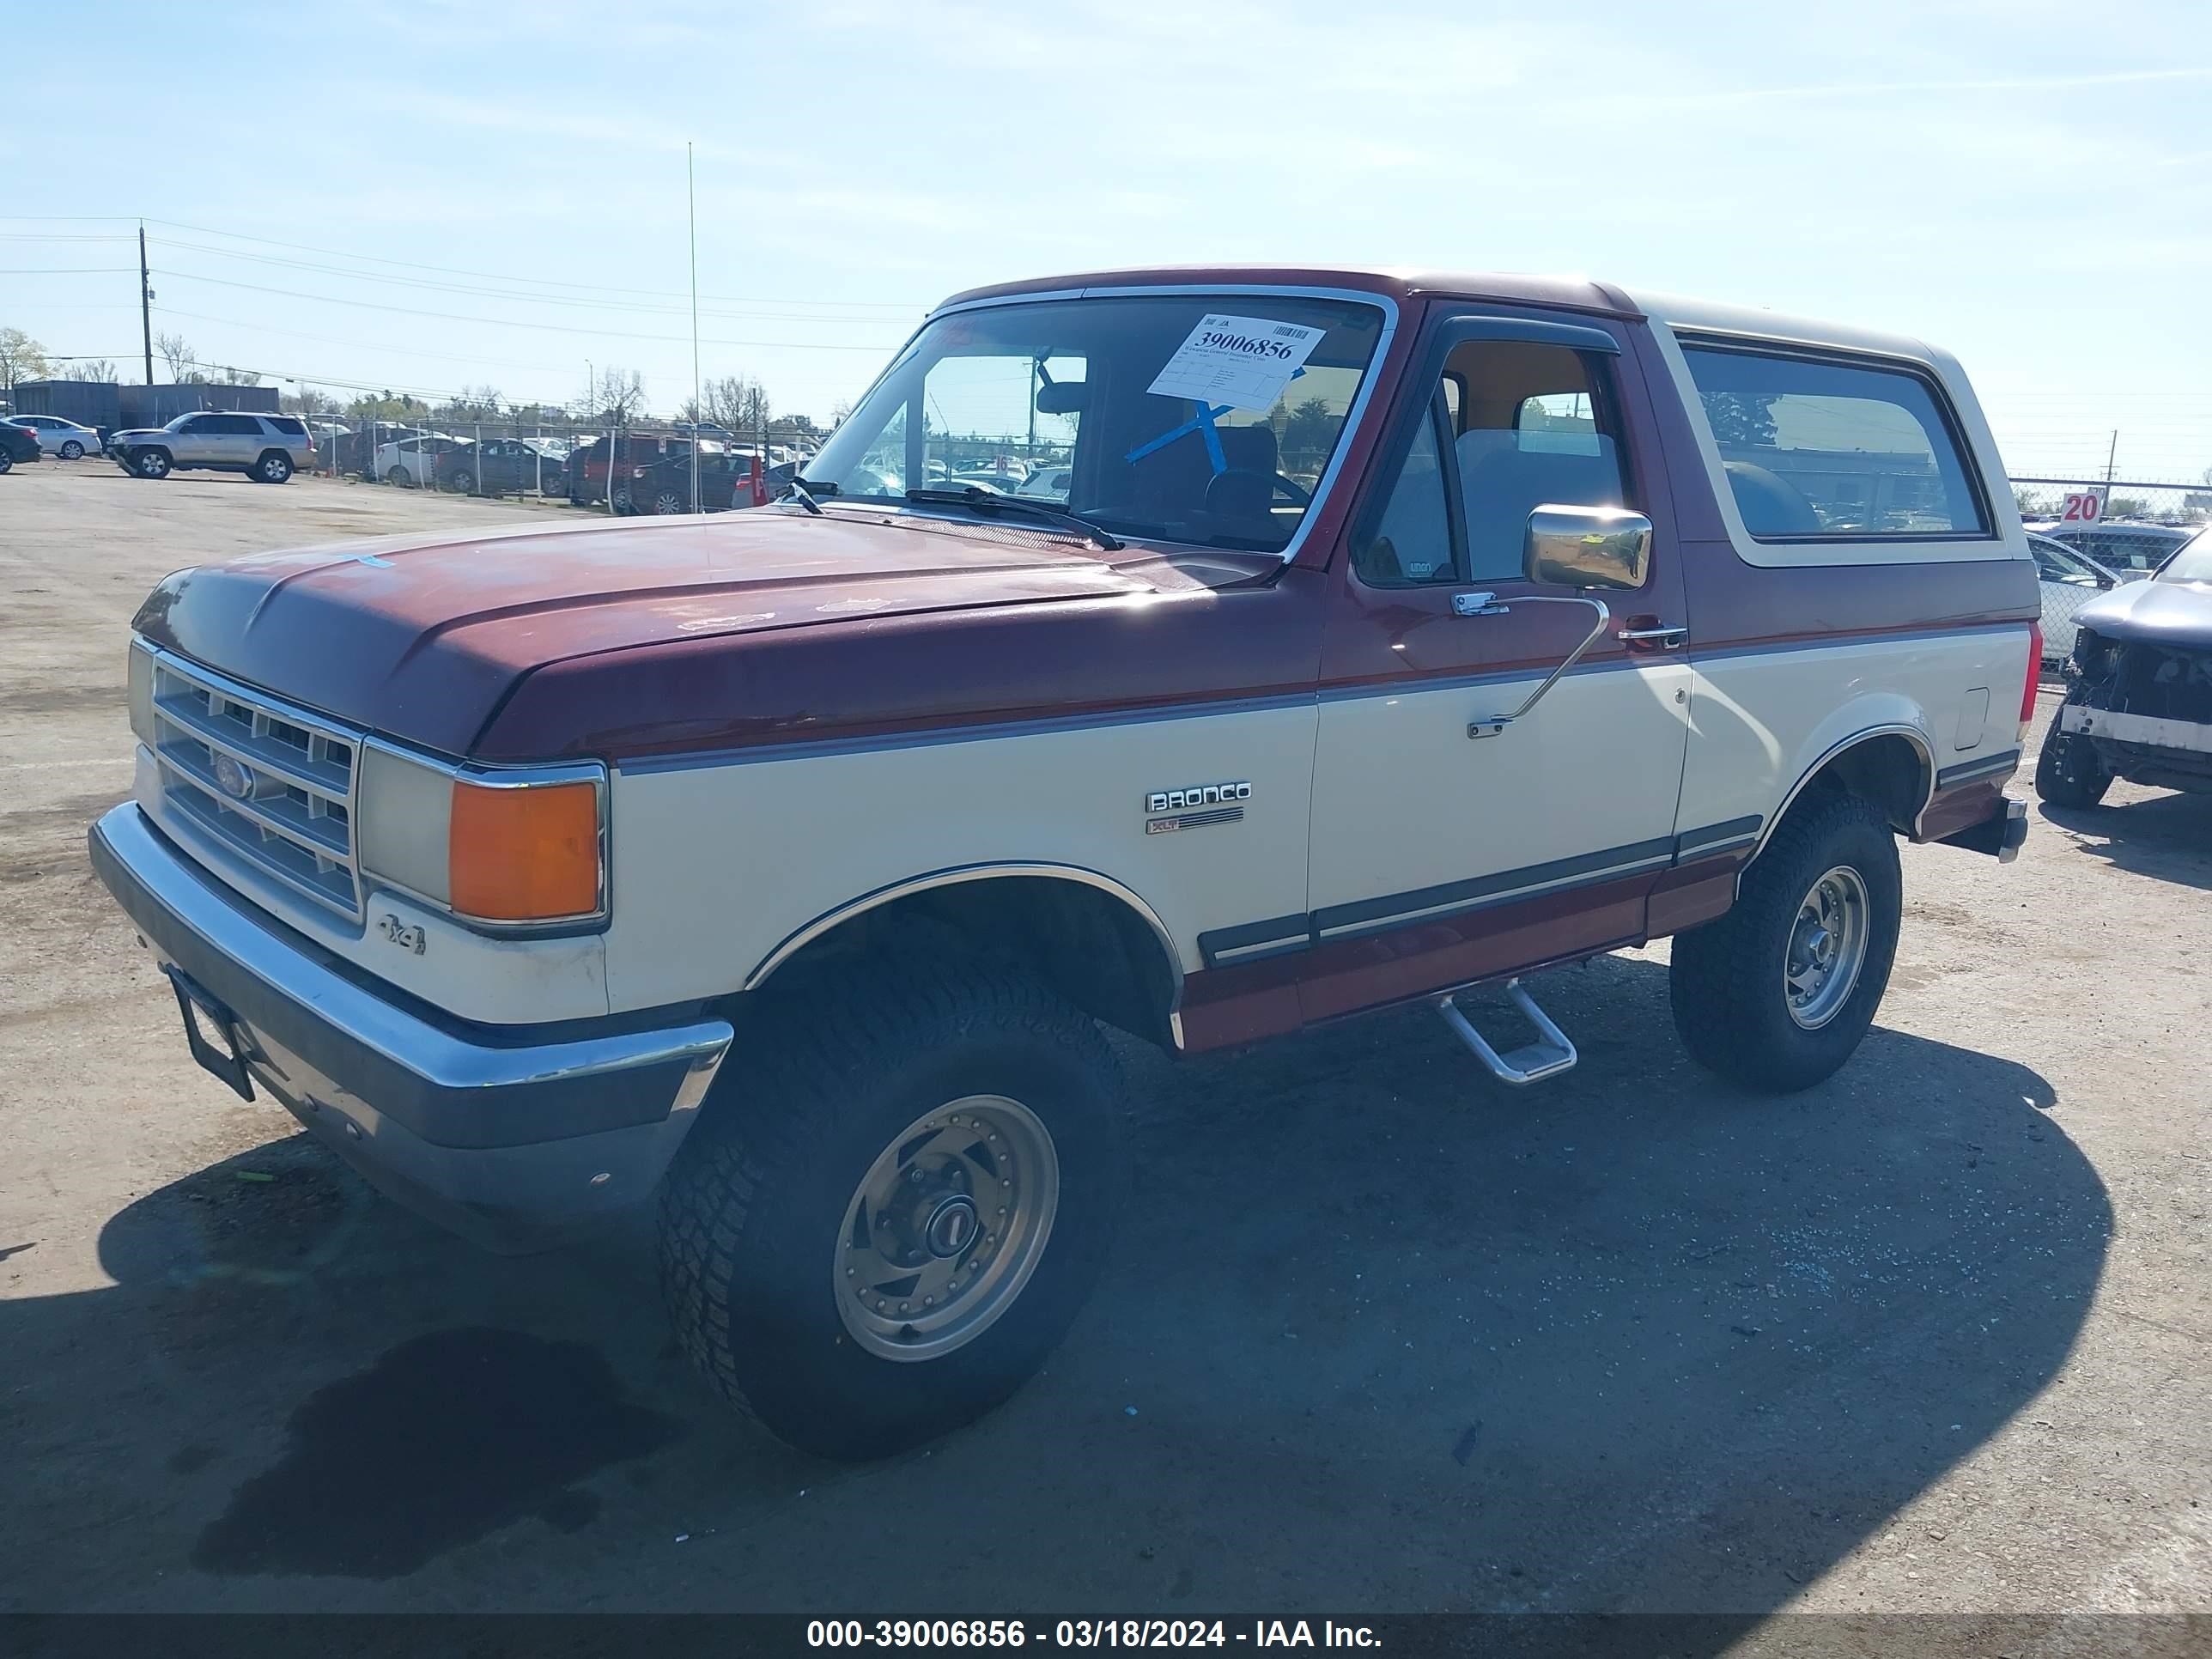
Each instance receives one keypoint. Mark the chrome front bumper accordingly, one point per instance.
(511, 1135)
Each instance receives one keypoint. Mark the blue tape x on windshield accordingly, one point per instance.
(1202, 422)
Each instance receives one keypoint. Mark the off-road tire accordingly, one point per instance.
(1726, 986)
(2069, 772)
(151, 463)
(72, 451)
(753, 1209)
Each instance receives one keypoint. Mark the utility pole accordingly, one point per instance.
(2111, 456)
(698, 415)
(146, 304)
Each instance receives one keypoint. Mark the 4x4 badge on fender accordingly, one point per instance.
(1194, 807)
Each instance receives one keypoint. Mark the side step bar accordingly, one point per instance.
(1549, 1056)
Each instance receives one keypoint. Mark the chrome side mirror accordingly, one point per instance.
(1587, 547)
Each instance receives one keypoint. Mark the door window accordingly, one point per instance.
(1513, 426)
(232, 426)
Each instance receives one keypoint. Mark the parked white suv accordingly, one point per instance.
(267, 448)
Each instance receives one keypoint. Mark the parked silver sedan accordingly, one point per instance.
(64, 438)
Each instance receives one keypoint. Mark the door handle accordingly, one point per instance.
(1667, 639)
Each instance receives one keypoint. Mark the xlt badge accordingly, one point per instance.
(1195, 806)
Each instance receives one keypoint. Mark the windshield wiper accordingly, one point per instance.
(793, 487)
(990, 501)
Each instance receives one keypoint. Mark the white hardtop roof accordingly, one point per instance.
(1679, 312)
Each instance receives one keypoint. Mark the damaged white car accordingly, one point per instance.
(2140, 704)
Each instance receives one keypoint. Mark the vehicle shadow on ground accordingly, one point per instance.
(2167, 837)
(1379, 1334)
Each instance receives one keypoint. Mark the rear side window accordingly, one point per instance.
(285, 424)
(1818, 449)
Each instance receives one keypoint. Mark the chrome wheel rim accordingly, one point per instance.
(1827, 947)
(946, 1227)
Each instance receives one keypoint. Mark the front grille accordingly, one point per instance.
(273, 782)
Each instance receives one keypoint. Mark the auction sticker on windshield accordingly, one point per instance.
(1243, 361)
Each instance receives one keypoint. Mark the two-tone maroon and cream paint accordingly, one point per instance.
(806, 715)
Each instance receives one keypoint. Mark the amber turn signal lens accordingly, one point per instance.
(525, 854)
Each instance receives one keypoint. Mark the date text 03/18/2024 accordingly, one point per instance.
(1084, 1633)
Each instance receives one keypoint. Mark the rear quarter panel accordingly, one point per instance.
(1797, 649)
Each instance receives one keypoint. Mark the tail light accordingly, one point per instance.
(2034, 675)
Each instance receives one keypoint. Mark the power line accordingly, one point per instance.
(906, 306)
(507, 322)
(632, 306)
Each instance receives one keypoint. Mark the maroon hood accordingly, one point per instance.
(434, 639)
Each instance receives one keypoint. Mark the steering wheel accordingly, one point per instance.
(1245, 491)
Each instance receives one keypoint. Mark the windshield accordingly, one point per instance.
(2193, 563)
(1203, 419)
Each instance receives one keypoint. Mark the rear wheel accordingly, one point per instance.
(1779, 991)
(275, 467)
(396, 475)
(880, 1232)
(151, 463)
(7, 463)
(667, 504)
(72, 451)
(2069, 772)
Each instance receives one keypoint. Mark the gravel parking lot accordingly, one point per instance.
(1379, 1334)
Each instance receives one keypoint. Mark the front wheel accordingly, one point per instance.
(151, 463)
(1779, 991)
(72, 451)
(7, 463)
(2069, 772)
(880, 1232)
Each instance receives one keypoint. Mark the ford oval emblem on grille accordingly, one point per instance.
(232, 778)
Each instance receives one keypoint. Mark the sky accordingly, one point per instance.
(447, 193)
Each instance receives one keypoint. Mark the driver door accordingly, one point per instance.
(1446, 847)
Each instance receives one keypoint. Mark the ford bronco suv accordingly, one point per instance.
(2139, 697)
(1387, 636)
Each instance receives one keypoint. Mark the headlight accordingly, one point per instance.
(511, 849)
(139, 678)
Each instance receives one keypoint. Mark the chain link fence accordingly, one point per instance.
(550, 459)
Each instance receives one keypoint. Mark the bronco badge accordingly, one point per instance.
(1194, 807)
